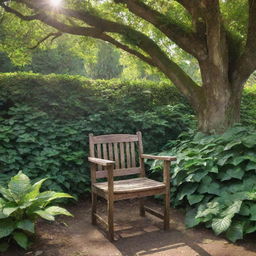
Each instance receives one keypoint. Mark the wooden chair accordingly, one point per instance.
(115, 155)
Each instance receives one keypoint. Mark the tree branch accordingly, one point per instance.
(246, 63)
(186, 40)
(54, 35)
(99, 28)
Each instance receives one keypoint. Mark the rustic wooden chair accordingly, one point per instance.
(115, 155)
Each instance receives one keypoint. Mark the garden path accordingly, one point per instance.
(137, 236)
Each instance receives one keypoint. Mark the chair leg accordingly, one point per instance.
(167, 211)
(111, 219)
(94, 208)
(142, 209)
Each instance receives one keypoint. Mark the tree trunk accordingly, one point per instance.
(219, 109)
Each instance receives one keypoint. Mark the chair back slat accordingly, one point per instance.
(117, 166)
(121, 148)
(110, 151)
(128, 155)
(99, 155)
(133, 154)
(105, 152)
(121, 145)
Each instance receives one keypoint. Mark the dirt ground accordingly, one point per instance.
(136, 236)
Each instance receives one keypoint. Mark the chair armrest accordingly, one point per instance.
(164, 158)
(100, 161)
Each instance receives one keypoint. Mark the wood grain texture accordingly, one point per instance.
(131, 185)
(121, 148)
(112, 138)
(99, 161)
(168, 158)
(128, 154)
(119, 172)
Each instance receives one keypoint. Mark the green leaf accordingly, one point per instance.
(187, 189)
(235, 232)
(7, 227)
(232, 144)
(193, 199)
(232, 209)
(211, 208)
(253, 212)
(220, 225)
(21, 239)
(19, 185)
(6, 194)
(34, 190)
(249, 141)
(45, 215)
(250, 166)
(190, 219)
(56, 210)
(26, 225)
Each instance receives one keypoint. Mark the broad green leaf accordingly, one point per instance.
(250, 228)
(34, 190)
(235, 232)
(244, 210)
(26, 225)
(211, 208)
(6, 194)
(190, 219)
(7, 227)
(232, 209)
(56, 210)
(187, 189)
(19, 185)
(193, 199)
(45, 215)
(253, 212)
(249, 141)
(250, 166)
(220, 225)
(21, 239)
(232, 144)
(7, 211)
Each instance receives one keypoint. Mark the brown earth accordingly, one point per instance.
(137, 236)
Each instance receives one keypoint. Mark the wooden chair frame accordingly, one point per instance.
(101, 168)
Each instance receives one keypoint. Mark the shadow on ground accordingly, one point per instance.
(136, 236)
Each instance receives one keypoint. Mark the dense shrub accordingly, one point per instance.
(214, 176)
(45, 122)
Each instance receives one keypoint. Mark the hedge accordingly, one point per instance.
(45, 122)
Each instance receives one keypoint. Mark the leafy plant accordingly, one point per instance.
(214, 176)
(21, 205)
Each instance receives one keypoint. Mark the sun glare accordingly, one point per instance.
(55, 3)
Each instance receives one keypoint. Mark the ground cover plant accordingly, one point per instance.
(214, 177)
(21, 205)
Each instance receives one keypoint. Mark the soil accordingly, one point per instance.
(136, 236)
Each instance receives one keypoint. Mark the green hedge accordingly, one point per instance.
(45, 121)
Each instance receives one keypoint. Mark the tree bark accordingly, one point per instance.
(219, 110)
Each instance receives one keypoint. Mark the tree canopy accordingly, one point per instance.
(218, 35)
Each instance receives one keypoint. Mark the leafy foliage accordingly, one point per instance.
(45, 122)
(214, 176)
(21, 205)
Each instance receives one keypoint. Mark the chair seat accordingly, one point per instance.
(131, 185)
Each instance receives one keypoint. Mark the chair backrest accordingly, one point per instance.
(124, 149)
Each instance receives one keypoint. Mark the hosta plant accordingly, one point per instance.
(214, 177)
(21, 205)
